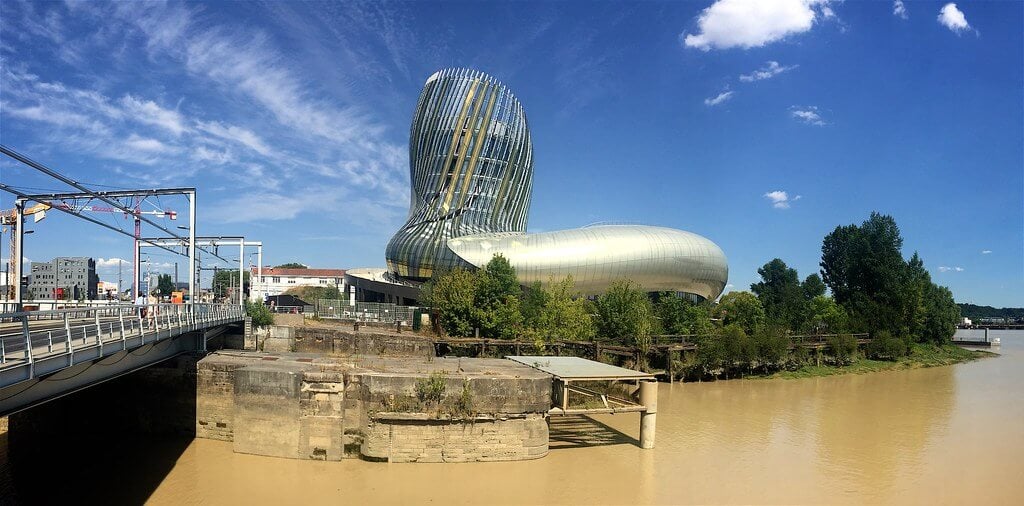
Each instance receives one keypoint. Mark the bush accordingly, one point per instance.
(885, 346)
(843, 348)
(260, 314)
(430, 390)
(772, 347)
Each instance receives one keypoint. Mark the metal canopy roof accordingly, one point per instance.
(575, 368)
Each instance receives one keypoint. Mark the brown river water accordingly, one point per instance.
(946, 435)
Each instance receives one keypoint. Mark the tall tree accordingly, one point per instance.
(865, 270)
(742, 309)
(780, 294)
(451, 294)
(225, 280)
(625, 311)
(813, 286)
(165, 284)
(671, 313)
(496, 300)
(564, 315)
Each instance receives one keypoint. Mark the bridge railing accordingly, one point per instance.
(29, 336)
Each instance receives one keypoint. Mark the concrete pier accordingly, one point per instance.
(648, 417)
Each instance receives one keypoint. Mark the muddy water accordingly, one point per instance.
(941, 435)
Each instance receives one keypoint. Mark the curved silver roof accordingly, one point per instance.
(656, 258)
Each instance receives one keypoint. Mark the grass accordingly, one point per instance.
(921, 355)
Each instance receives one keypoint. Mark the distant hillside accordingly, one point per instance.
(974, 311)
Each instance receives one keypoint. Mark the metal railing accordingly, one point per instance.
(383, 312)
(29, 337)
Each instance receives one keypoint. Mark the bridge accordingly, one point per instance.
(48, 354)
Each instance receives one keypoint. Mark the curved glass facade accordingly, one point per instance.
(471, 166)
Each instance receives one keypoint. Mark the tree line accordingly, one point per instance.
(873, 291)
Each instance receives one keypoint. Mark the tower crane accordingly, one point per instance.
(9, 218)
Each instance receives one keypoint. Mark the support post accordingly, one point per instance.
(241, 273)
(19, 248)
(259, 272)
(192, 248)
(648, 417)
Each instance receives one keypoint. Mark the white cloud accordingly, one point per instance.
(770, 70)
(943, 268)
(986, 252)
(953, 18)
(752, 23)
(111, 263)
(807, 114)
(899, 10)
(721, 97)
(237, 134)
(145, 144)
(148, 112)
(780, 199)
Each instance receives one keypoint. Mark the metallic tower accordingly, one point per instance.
(471, 168)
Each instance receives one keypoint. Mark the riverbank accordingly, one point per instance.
(921, 355)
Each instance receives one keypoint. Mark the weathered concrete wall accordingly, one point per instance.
(267, 411)
(397, 437)
(346, 342)
(304, 406)
(215, 397)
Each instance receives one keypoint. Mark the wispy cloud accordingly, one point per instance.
(746, 24)
(770, 70)
(954, 19)
(808, 114)
(943, 268)
(899, 10)
(315, 131)
(148, 112)
(718, 99)
(986, 252)
(780, 199)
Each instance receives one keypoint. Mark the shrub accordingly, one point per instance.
(885, 346)
(260, 314)
(842, 347)
(430, 390)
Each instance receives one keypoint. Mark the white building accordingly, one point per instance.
(277, 281)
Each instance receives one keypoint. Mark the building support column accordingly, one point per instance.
(648, 417)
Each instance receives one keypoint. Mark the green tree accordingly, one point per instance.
(226, 280)
(865, 270)
(813, 286)
(496, 300)
(260, 314)
(743, 309)
(780, 294)
(451, 294)
(697, 320)
(291, 265)
(772, 345)
(739, 349)
(671, 313)
(625, 311)
(825, 316)
(564, 315)
(165, 284)
(941, 315)
(534, 300)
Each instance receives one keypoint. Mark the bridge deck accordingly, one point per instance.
(33, 344)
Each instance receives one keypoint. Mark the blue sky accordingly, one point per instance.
(760, 126)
